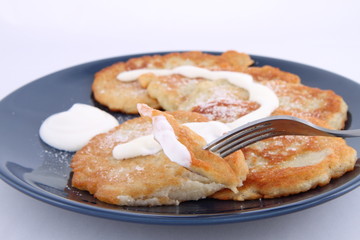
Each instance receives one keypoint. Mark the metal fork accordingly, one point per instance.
(270, 127)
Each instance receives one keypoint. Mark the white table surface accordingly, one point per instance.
(39, 37)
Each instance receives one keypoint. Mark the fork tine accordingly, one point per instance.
(245, 143)
(239, 138)
(234, 134)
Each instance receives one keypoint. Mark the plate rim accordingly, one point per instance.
(167, 219)
(195, 219)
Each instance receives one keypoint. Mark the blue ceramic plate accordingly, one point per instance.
(42, 172)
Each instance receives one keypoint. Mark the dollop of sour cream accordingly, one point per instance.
(73, 129)
(208, 130)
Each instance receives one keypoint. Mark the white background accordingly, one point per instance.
(39, 37)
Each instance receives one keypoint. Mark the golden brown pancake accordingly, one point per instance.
(154, 179)
(291, 164)
(123, 96)
(322, 107)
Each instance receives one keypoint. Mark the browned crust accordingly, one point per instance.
(268, 73)
(322, 107)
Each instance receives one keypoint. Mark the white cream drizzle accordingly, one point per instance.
(258, 93)
(141, 146)
(165, 136)
(147, 145)
(208, 130)
(73, 129)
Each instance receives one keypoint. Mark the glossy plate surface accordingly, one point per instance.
(34, 168)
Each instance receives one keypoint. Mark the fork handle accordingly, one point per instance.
(344, 133)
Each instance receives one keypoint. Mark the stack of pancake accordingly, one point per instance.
(275, 167)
